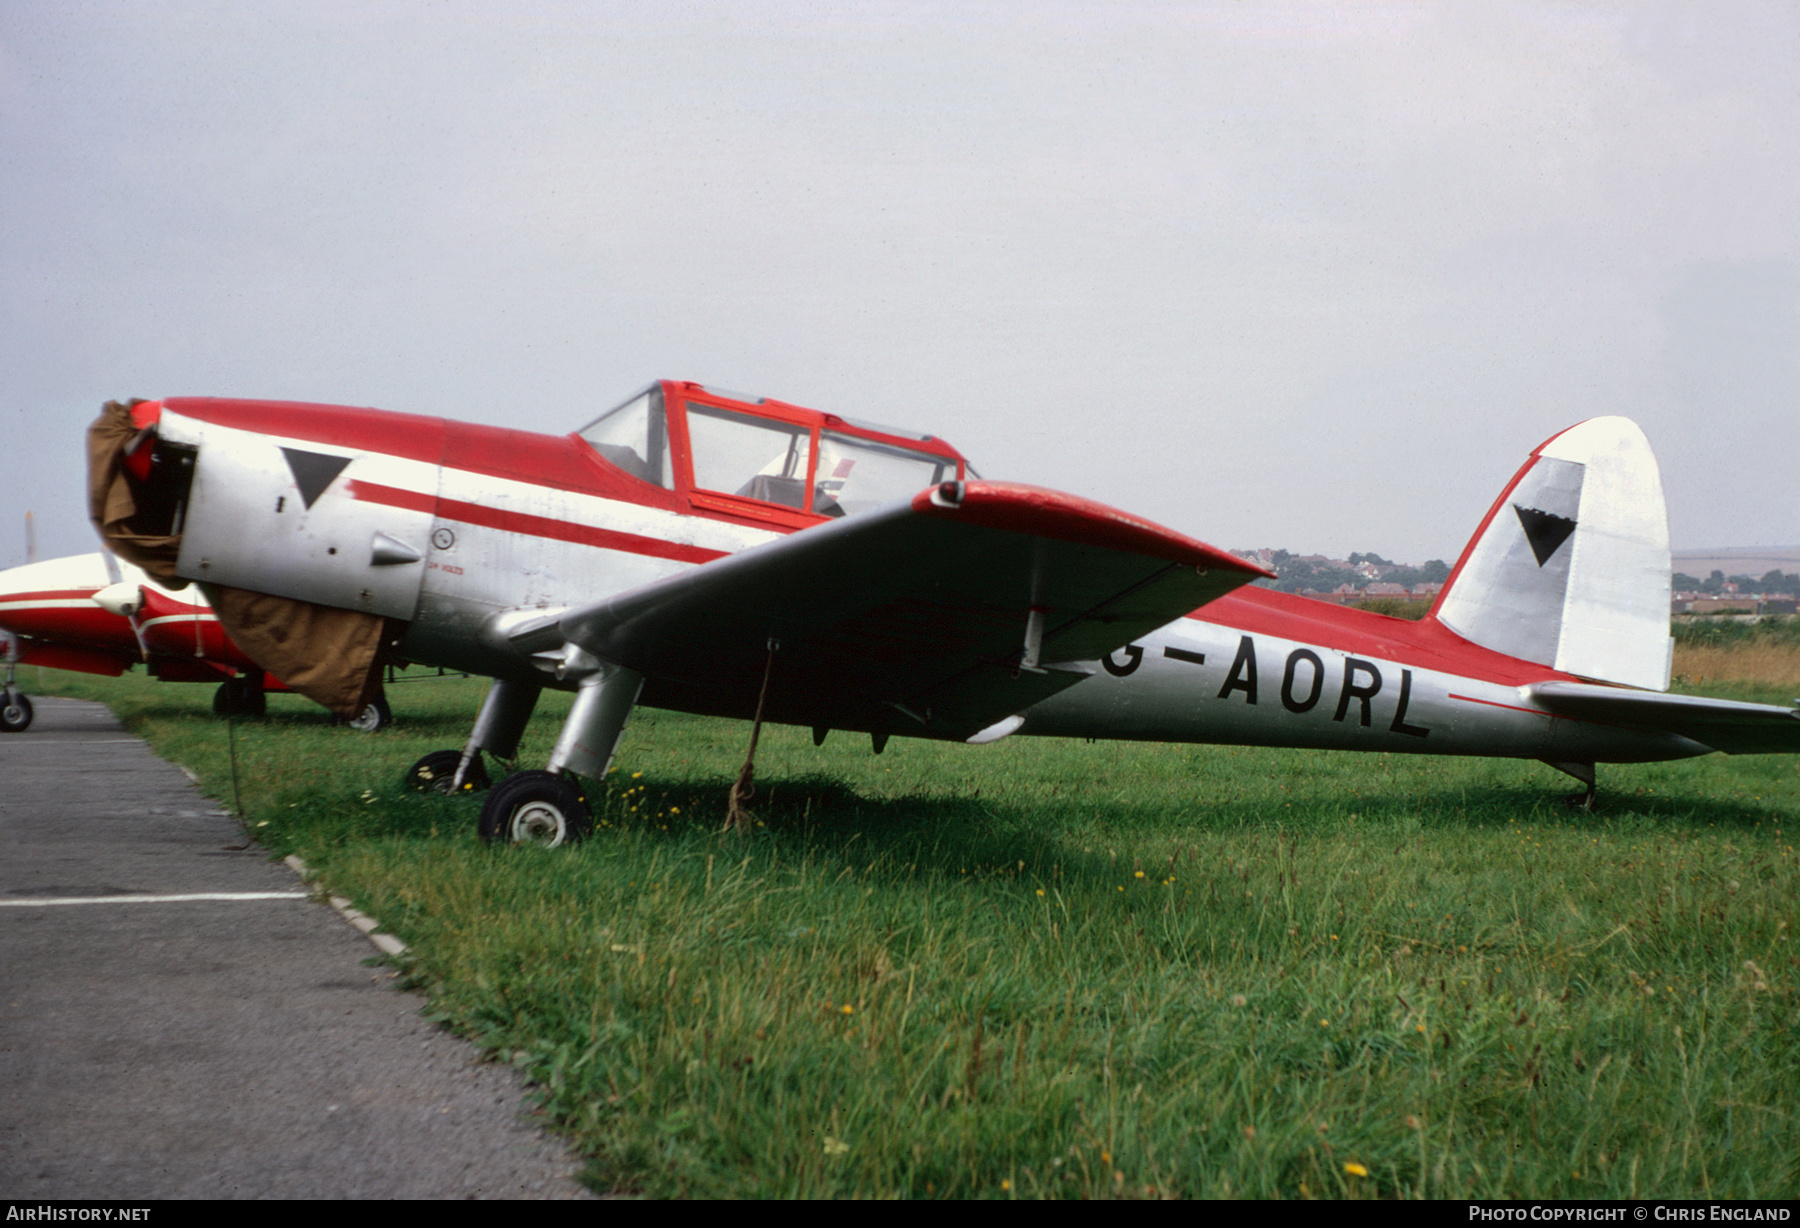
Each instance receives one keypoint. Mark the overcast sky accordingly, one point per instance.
(1306, 275)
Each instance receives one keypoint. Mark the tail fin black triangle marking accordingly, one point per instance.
(1546, 531)
(314, 471)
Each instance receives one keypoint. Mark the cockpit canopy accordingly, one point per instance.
(741, 454)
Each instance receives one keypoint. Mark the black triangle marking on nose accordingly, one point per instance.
(1544, 530)
(313, 472)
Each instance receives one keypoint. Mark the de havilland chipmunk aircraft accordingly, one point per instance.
(94, 614)
(716, 553)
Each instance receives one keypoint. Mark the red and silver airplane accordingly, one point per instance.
(95, 614)
(716, 553)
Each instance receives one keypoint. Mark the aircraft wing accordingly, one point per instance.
(917, 617)
(1723, 724)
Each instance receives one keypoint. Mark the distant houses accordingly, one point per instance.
(1686, 602)
(1371, 578)
(1350, 594)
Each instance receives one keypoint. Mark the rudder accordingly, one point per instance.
(1570, 568)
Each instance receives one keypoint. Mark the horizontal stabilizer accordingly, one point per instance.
(937, 616)
(1723, 724)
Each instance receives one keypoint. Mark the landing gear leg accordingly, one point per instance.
(499, 725)
(548, 807)
(15, 709)
(1584, 772)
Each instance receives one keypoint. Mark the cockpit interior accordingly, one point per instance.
(753, 456)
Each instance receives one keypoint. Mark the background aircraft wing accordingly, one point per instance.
(1723, 724)
(912, 618)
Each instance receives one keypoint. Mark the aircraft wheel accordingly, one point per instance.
(15, 713)
(239, 697)
(377, 715)
(535, 808)
(434, 773)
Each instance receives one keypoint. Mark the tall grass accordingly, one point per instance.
(1711, 653)
(1057, 969)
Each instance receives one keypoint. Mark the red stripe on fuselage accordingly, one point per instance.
(409, 436)
(1425, 644)
(533, 526)
(1470, 699)
(52, 594)
(560, 462)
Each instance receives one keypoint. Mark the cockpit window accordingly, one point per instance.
(857, 474)
(635, 437)
(754, 458)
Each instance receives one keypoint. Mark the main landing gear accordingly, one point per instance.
(546, 807)
(15, 709)
(374, 715)
(15, 712)
(240, 696)
(535, 808)
(436, 773)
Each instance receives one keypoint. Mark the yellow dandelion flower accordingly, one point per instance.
(848, 1009)
(1140, 874)
(1355, 1169)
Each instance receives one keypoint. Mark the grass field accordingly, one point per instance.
(1048, 968)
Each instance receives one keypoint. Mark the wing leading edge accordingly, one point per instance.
(938, 616)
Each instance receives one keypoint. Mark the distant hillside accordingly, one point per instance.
(1752, 561)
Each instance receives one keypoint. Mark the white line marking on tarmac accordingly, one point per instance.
(156, 899)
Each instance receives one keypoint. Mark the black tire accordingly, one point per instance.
(376, 715)
(239, 697)
(15, 713)
(535, 808)
(434, 773)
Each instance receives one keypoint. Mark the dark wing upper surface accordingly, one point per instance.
(913, 617)
(1723, 724)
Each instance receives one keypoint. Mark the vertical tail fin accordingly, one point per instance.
(1570, 568)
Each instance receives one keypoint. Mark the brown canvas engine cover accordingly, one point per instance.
(329, 655)
(113, 507)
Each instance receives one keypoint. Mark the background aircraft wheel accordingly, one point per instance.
(435, 772)
(376, 716)
(535, 808)
(239, 697)
(15, 714)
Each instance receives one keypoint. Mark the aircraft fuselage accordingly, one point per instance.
(461, 531)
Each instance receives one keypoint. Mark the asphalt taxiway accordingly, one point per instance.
(178, 1019)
